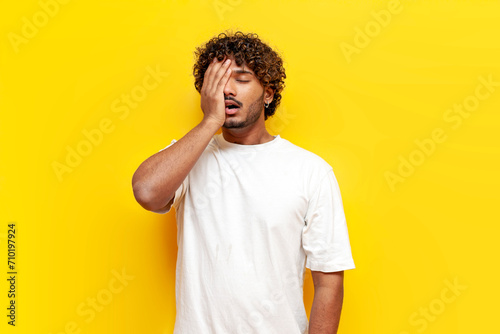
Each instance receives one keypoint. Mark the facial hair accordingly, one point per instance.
(254, 112)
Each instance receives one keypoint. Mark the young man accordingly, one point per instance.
(253, 210)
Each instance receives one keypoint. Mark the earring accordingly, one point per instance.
(267, 105)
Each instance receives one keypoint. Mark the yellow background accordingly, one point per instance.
(362, 113)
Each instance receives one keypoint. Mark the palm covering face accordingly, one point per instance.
(212, 91)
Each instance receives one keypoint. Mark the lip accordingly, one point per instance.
(231, 111)
(231, 103)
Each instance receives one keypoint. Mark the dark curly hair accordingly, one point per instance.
(247, 49)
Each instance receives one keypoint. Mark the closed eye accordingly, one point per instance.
(243, 80)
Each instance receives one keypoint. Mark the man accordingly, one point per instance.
(253, 210)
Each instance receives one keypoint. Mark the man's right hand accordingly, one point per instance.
(212, 91)
(156, 180)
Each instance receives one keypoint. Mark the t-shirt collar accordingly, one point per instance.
(223, 143)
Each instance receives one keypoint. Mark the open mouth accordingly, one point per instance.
(232, 109)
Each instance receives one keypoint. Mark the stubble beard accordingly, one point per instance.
(254, 112)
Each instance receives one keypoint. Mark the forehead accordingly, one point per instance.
(242, 69)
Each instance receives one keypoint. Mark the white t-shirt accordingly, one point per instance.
(250, 218)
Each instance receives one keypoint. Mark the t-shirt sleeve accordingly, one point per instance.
(179, 193)
(325, 238)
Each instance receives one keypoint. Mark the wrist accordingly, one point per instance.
(211, 124)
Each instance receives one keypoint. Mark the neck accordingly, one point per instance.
(247, 136)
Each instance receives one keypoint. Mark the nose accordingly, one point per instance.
(229, 88)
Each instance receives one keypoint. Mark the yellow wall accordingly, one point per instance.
(419, 178)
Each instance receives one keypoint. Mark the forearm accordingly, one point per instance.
(326, 309)
(158, 177)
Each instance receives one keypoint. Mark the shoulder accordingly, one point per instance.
(307, 159)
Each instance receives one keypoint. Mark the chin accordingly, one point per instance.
(233, 125)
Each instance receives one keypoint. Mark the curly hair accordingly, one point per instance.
(246, 49)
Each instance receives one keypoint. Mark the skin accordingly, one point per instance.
(247, 126)
(155, 181)
(327, 302)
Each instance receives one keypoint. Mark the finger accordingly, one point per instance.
(221, 73)
(212, 69)
(224, 80)
(214, 65)
(206, 76)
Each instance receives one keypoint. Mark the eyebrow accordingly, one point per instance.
(238, 71)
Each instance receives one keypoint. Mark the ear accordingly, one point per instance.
(268, 95)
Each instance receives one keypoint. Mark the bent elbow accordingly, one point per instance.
(147, 198)
(143, 196)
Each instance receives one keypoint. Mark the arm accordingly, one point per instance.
(327, 302)
(155, 181)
